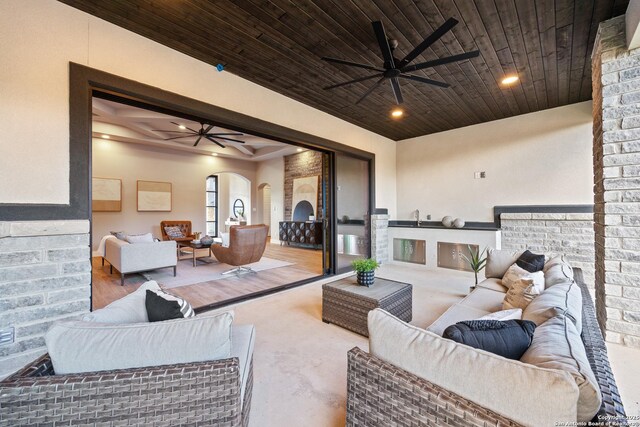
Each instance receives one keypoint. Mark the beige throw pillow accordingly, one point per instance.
(521, 293)
(498, 261)
(515, 273)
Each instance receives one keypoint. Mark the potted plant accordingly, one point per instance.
(365, 269)
(476, 261)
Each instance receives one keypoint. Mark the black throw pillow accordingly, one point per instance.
(530, 261)
(162, 306)
(509, 338)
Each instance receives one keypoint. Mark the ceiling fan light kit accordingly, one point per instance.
(393, 69)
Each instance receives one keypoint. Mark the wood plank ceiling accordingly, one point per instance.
(278, 44)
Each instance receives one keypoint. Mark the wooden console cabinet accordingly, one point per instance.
(303, 233)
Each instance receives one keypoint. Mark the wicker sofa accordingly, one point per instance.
(381, 394)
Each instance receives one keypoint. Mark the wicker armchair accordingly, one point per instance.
(202, 393)
(381, 394)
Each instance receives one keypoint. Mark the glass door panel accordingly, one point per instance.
(212, 206)
(352, 211)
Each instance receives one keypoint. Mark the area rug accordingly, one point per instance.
(207, 269)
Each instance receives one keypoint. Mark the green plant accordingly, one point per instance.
(364, 265)
(476, 260)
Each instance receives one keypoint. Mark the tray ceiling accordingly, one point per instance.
(278, 44)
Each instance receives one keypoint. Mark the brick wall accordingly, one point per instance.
(616, 149)
(301, 165)
(569, 234)
(45, 275)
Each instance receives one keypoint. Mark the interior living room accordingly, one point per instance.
(464, 175)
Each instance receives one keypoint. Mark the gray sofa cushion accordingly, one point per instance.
(561, 298)
(557, 270)
(557, 345)
(493, 284)
(524, 393)
(128, 309)
(77, 346)
(498, 261)
(243, 339)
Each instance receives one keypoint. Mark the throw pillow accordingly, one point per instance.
(510, 338)
(163, 306)
(140, 238)
(498, 262)
(530, 261)
(129, 309)
(119, 235)
(512, 314)
(515, 273)
(521, 293)
(174, 232)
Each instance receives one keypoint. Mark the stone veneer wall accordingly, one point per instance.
(616, 165)
(45, 275)
(301, 165)
(569, 234)
(380, 237)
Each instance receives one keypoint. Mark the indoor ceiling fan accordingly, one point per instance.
(202, 133)
(394, 69)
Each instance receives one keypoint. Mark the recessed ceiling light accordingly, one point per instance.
(182, 127)
(103, 136)
(214, 154)
(509, 80)
(397, 113)
(299, 150)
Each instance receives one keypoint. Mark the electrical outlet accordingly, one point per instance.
(476, 175)
(479, 175)
(483, 174)
(7, 336)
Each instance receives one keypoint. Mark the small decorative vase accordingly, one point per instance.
(206, 240)
(366, 278)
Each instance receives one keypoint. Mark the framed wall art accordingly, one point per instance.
(106, 195)
(154, 196)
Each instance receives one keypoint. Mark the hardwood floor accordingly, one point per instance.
(307, 263)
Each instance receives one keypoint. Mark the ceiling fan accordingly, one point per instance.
(202, 133)
(394, 69)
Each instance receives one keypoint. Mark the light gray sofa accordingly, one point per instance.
(414, 377)
(137, 257)
(116, 368)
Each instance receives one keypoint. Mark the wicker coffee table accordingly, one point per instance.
(347, 304)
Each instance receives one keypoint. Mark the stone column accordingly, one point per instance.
(616, 166)
(45, 275)
(380, 235)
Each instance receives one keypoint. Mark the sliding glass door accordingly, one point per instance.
(352, 201)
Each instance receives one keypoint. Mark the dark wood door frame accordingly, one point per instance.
(86, 82)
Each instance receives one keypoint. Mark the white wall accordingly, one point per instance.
(538, 158)
(272, 172)
(37, 41)
(187, 173)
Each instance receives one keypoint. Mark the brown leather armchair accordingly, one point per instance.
(246, 245)
(185, 227)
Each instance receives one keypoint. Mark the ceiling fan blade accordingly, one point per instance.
(423, 80)
(230, 134)
(169, 131)
(197, 140)
(179, 125)
(378, 28)
(226, 139)
(351, 64)
(431, 39)
(361, 79)
(206, 131)
(178, 137)
(371, 89)
(214, 141)
(442, 61)
(395, 86)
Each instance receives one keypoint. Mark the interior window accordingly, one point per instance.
(212, 205)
